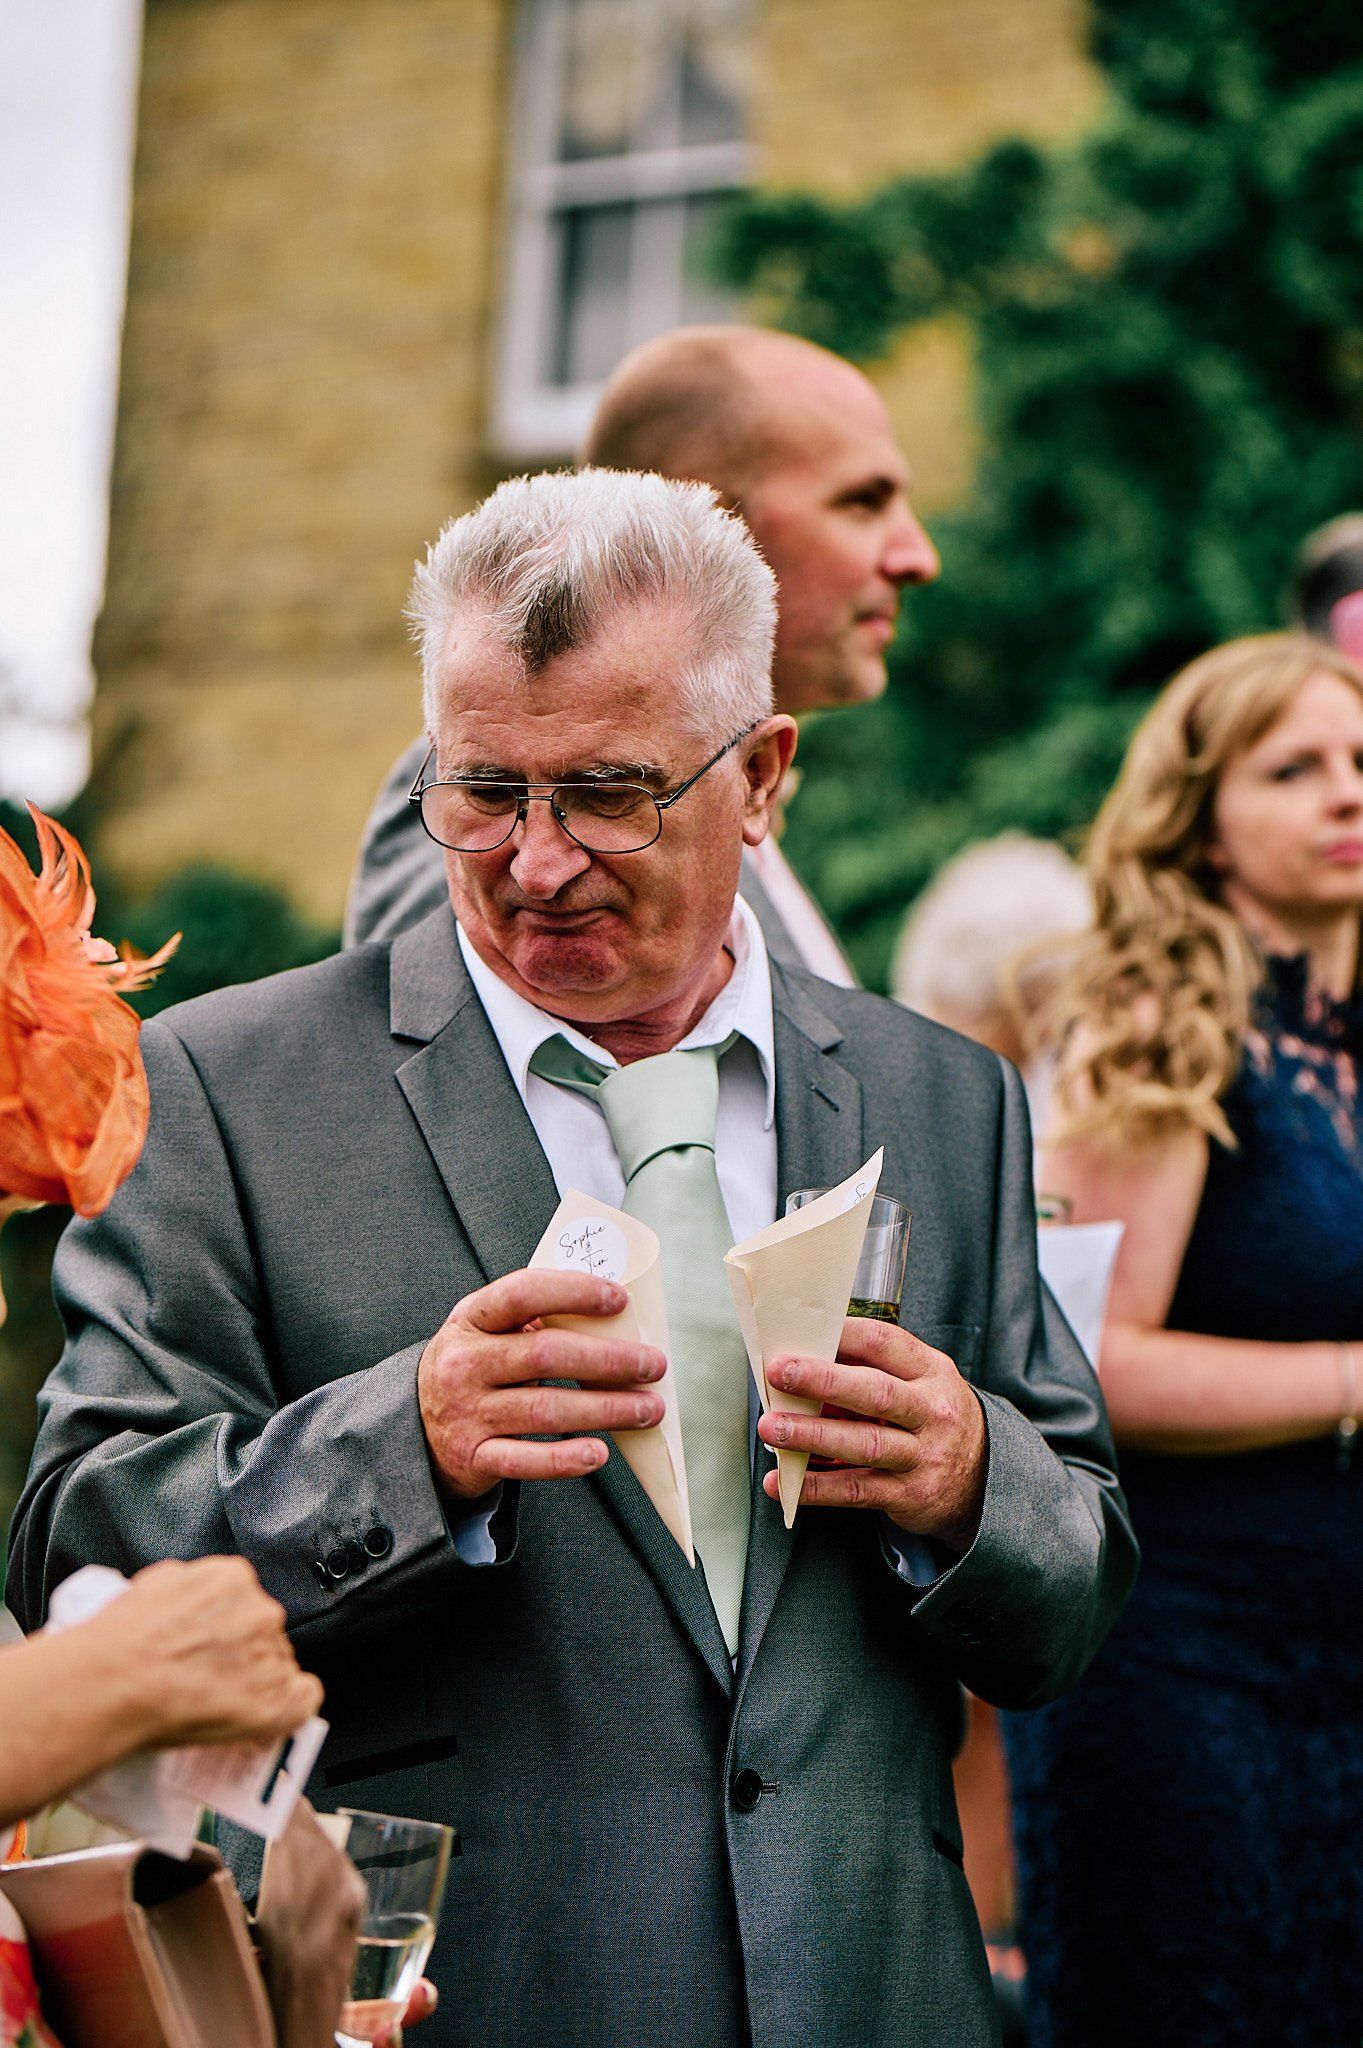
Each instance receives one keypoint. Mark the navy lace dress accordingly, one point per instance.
(1190, 1819)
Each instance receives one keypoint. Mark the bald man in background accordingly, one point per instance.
(801, 444)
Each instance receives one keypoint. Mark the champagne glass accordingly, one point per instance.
(403, 1864)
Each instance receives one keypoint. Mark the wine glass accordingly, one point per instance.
(403, 1864)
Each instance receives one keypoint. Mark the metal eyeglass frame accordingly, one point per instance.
(549, 792)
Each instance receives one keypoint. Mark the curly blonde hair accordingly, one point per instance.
(1152, 1015)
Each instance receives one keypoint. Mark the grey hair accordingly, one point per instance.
(543, 563)
(1002, 898)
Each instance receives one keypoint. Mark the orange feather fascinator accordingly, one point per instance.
(73, 1094)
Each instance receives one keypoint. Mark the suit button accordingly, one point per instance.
(378, 1541)
(354, 1551)
(745, 1789)
(338, 1563)
(323, 1575)
(965, 1623)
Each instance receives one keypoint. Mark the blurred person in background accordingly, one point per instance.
(974, 953)
(1190, 1819)
(1326, 595)
(981, 947)
(799, 443)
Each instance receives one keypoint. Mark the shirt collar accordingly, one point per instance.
(742, 1007)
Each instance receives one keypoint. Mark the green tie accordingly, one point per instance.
(661, 1115)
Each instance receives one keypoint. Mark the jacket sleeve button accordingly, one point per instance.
(355, 1553)
(338, 1564)
(378, 1541)
(323, 1576)
(745, 1789)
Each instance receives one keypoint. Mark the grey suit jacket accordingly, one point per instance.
(657, 1850)
(400, 875)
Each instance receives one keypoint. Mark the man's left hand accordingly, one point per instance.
(909, 1436)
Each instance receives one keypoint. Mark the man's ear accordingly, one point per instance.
(768, 753)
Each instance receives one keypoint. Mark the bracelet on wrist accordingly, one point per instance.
(1346, 1429)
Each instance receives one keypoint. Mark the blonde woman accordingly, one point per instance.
(1190, 1820)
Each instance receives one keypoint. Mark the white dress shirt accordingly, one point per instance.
(801, 916)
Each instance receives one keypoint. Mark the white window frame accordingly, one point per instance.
(532, 419)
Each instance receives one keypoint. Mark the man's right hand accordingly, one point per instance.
(482, 1392)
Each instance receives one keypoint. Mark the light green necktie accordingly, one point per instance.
(661, 1115)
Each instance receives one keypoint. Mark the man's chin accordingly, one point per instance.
(559, 966)
(856, 675)
(865, 679)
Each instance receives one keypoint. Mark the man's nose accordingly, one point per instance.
(545, 857)
(909, 555)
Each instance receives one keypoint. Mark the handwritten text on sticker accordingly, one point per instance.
(591, 1244)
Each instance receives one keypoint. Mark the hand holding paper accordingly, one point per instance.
(791, 1285)
(209, 1622)
(588, 1236)
(486, 1381)
(909, 1436)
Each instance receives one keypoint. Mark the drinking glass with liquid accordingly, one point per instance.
(878, 1287)
(403, 1864)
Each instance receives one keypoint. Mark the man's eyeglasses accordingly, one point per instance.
(474, 814)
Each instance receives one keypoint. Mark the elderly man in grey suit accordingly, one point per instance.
(697, 1807)
(801, 444)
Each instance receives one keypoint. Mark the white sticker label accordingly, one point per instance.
(592, 1244)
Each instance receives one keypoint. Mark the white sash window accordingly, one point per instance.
(627, 130)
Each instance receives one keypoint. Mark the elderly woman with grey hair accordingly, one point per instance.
(982, 947)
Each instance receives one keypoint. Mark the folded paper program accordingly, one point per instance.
(586, 1236)
(791, 1285)
(159, 1795)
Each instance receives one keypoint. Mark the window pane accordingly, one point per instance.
(714, 71)
(592, 301)
(601, 38)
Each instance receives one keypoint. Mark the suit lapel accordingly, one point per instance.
(684, 1590)
(819, 1142)
(459, 1088)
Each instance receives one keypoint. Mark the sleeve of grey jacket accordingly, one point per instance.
(162, 1433)
(399, 876)
(1029, 1603)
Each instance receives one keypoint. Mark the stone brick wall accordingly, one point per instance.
(315, 253)
(311, 272)
(851, 94)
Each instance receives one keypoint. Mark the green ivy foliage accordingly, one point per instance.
(1166, 328)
